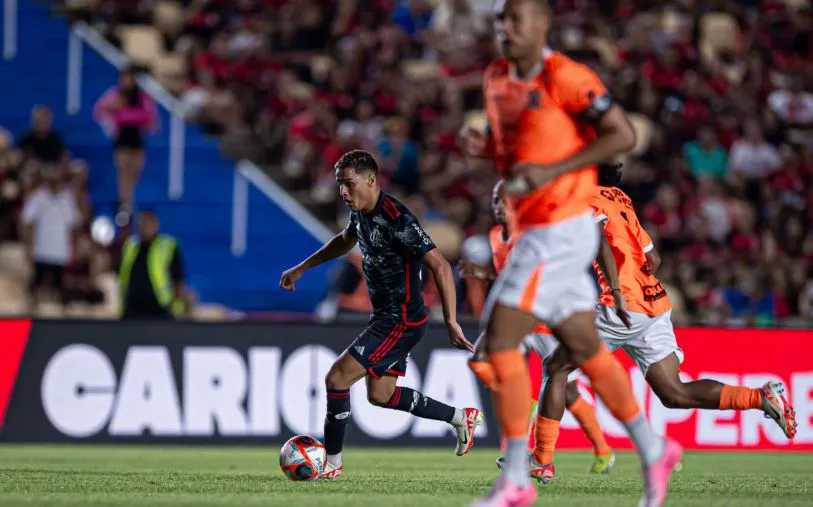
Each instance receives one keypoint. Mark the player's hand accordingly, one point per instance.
(469, 269)
(529, 176)
(472, 142)
(621, 308)
(289, 277)
(457, 337)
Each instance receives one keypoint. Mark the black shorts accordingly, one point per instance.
(384, 346)
(130, 138)
(51, 273)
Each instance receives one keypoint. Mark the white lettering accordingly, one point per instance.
(708, 429)
(147, 399)
(379, 422)
(263, 397)
(802, 391)
(448, 380)
(77, 390)
(753, 420)
(302, 389)
(214, 388)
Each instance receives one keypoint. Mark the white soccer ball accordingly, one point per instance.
(302, 458)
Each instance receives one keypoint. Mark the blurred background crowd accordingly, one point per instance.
(722, 176)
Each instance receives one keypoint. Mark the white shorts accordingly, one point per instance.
(545, 345)
(548, 271)
(651, 339)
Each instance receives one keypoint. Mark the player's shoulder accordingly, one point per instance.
(563, 70)
(495, 235)
(393, 211)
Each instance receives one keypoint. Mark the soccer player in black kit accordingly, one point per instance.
(394, 245)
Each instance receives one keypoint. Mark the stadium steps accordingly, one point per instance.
(202, 218)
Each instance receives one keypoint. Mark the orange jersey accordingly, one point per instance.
(500, 248)
(544, 120)
(629, 243)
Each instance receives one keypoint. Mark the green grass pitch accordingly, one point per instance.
(69, 476)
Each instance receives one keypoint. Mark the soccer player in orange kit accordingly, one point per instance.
(551, 121)
(647, 335)
(542, 341)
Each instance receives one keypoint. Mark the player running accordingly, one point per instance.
(648, 336)
(393, 245)
(542, 341)
(551, 120)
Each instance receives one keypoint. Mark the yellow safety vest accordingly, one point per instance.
(159, 259)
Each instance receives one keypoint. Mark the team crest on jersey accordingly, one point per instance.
(534, 99)
(376, 238)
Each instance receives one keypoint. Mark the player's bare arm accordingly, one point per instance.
(614, 136)
(653, 258)
(444, 280)
(339, 245)
(606, 262)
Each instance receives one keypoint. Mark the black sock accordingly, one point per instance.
(338, 415)
(409, 400)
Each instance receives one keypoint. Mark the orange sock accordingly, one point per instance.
(740, 398)
(611, 384)
(512, 398)
(586, 415)
(547, 433)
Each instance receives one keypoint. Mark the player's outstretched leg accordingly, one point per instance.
(659, 456)
(585, 414)
(664, 378)
(512, 402)
(385, 393)
(345, 372)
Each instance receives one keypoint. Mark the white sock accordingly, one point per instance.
(515, 467)
(458, 418)
(334, 459)
(650, 445)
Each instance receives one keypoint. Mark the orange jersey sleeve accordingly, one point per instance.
(628, 240)
(545, 120)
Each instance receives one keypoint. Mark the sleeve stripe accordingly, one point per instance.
(649, 248)
(600, 218)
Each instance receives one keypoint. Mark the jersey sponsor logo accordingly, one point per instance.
(615, 195)
(343, 415)
(424, 237)
(653, 292)
(360, 349)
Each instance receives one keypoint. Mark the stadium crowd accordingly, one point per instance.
(50, 265)
(722, 176)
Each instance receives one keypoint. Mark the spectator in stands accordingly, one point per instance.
(752, 157)
(127, 114)
(151, 273)
(705, 157)
(49, 219)
(41, 146)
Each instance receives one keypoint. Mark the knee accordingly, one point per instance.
(379, 397)
(334, 381)
(673, 397)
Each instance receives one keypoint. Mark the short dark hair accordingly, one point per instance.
(358, 160)
(609, 175)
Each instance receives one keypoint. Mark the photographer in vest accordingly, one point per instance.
(151, 275)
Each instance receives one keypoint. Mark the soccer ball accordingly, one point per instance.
(302, 458)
